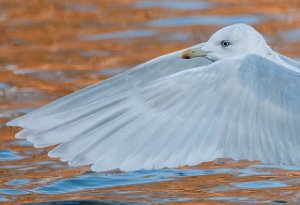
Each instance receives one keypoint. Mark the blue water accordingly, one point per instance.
(4, 86)
(292, 35)
(181, 5)
(259, 184)
(9, 155)
(94, 181)
(25, 171)
(205, 20)
(230, 199)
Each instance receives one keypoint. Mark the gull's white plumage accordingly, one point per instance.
(170, 112)
(159, 67)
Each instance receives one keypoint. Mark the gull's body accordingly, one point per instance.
(240, 101)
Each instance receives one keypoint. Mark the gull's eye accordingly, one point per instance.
(225, 43)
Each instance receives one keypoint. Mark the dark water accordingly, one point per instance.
(51, 48)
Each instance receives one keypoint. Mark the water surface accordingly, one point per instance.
(51, 48)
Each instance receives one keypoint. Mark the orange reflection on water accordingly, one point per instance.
(51, 48)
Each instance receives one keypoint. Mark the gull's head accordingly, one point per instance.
(230, 41)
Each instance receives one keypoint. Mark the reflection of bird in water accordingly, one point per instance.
(240, 100)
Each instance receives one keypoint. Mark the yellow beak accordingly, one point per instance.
(193, 52)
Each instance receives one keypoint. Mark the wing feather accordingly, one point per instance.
(290, 61)
(142, 74)
(245, 107)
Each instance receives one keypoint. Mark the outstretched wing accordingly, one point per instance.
(245, 107)
(141, 74)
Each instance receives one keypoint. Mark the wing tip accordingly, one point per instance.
(20, 135)
(53, 154)
(12, 123)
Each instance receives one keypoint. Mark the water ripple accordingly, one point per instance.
(205, 20)
(121, 34)
(259, 184)
(10, 155)
(96, 180)
(181, 5)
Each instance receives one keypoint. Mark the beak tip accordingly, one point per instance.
(185, 56)
(194, 52)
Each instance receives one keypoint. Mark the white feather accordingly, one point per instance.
(246, 107)
(137, 76)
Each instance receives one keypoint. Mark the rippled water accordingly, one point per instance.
(51, 48)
